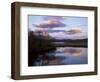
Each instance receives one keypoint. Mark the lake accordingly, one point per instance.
(63, 56)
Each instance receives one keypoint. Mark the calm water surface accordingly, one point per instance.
(63, 56)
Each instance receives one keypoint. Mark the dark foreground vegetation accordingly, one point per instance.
(37, 47)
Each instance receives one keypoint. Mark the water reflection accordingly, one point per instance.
(70, 51)
(63, 56)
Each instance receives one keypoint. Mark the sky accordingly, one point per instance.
(58, 27)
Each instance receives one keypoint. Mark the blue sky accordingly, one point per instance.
(70, 23)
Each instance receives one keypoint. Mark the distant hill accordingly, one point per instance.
(69, 40)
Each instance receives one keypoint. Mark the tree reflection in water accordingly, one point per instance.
(62, 56)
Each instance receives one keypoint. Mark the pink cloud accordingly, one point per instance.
(73, 31)
(56, 18)
(51, 22)
(64, 35)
